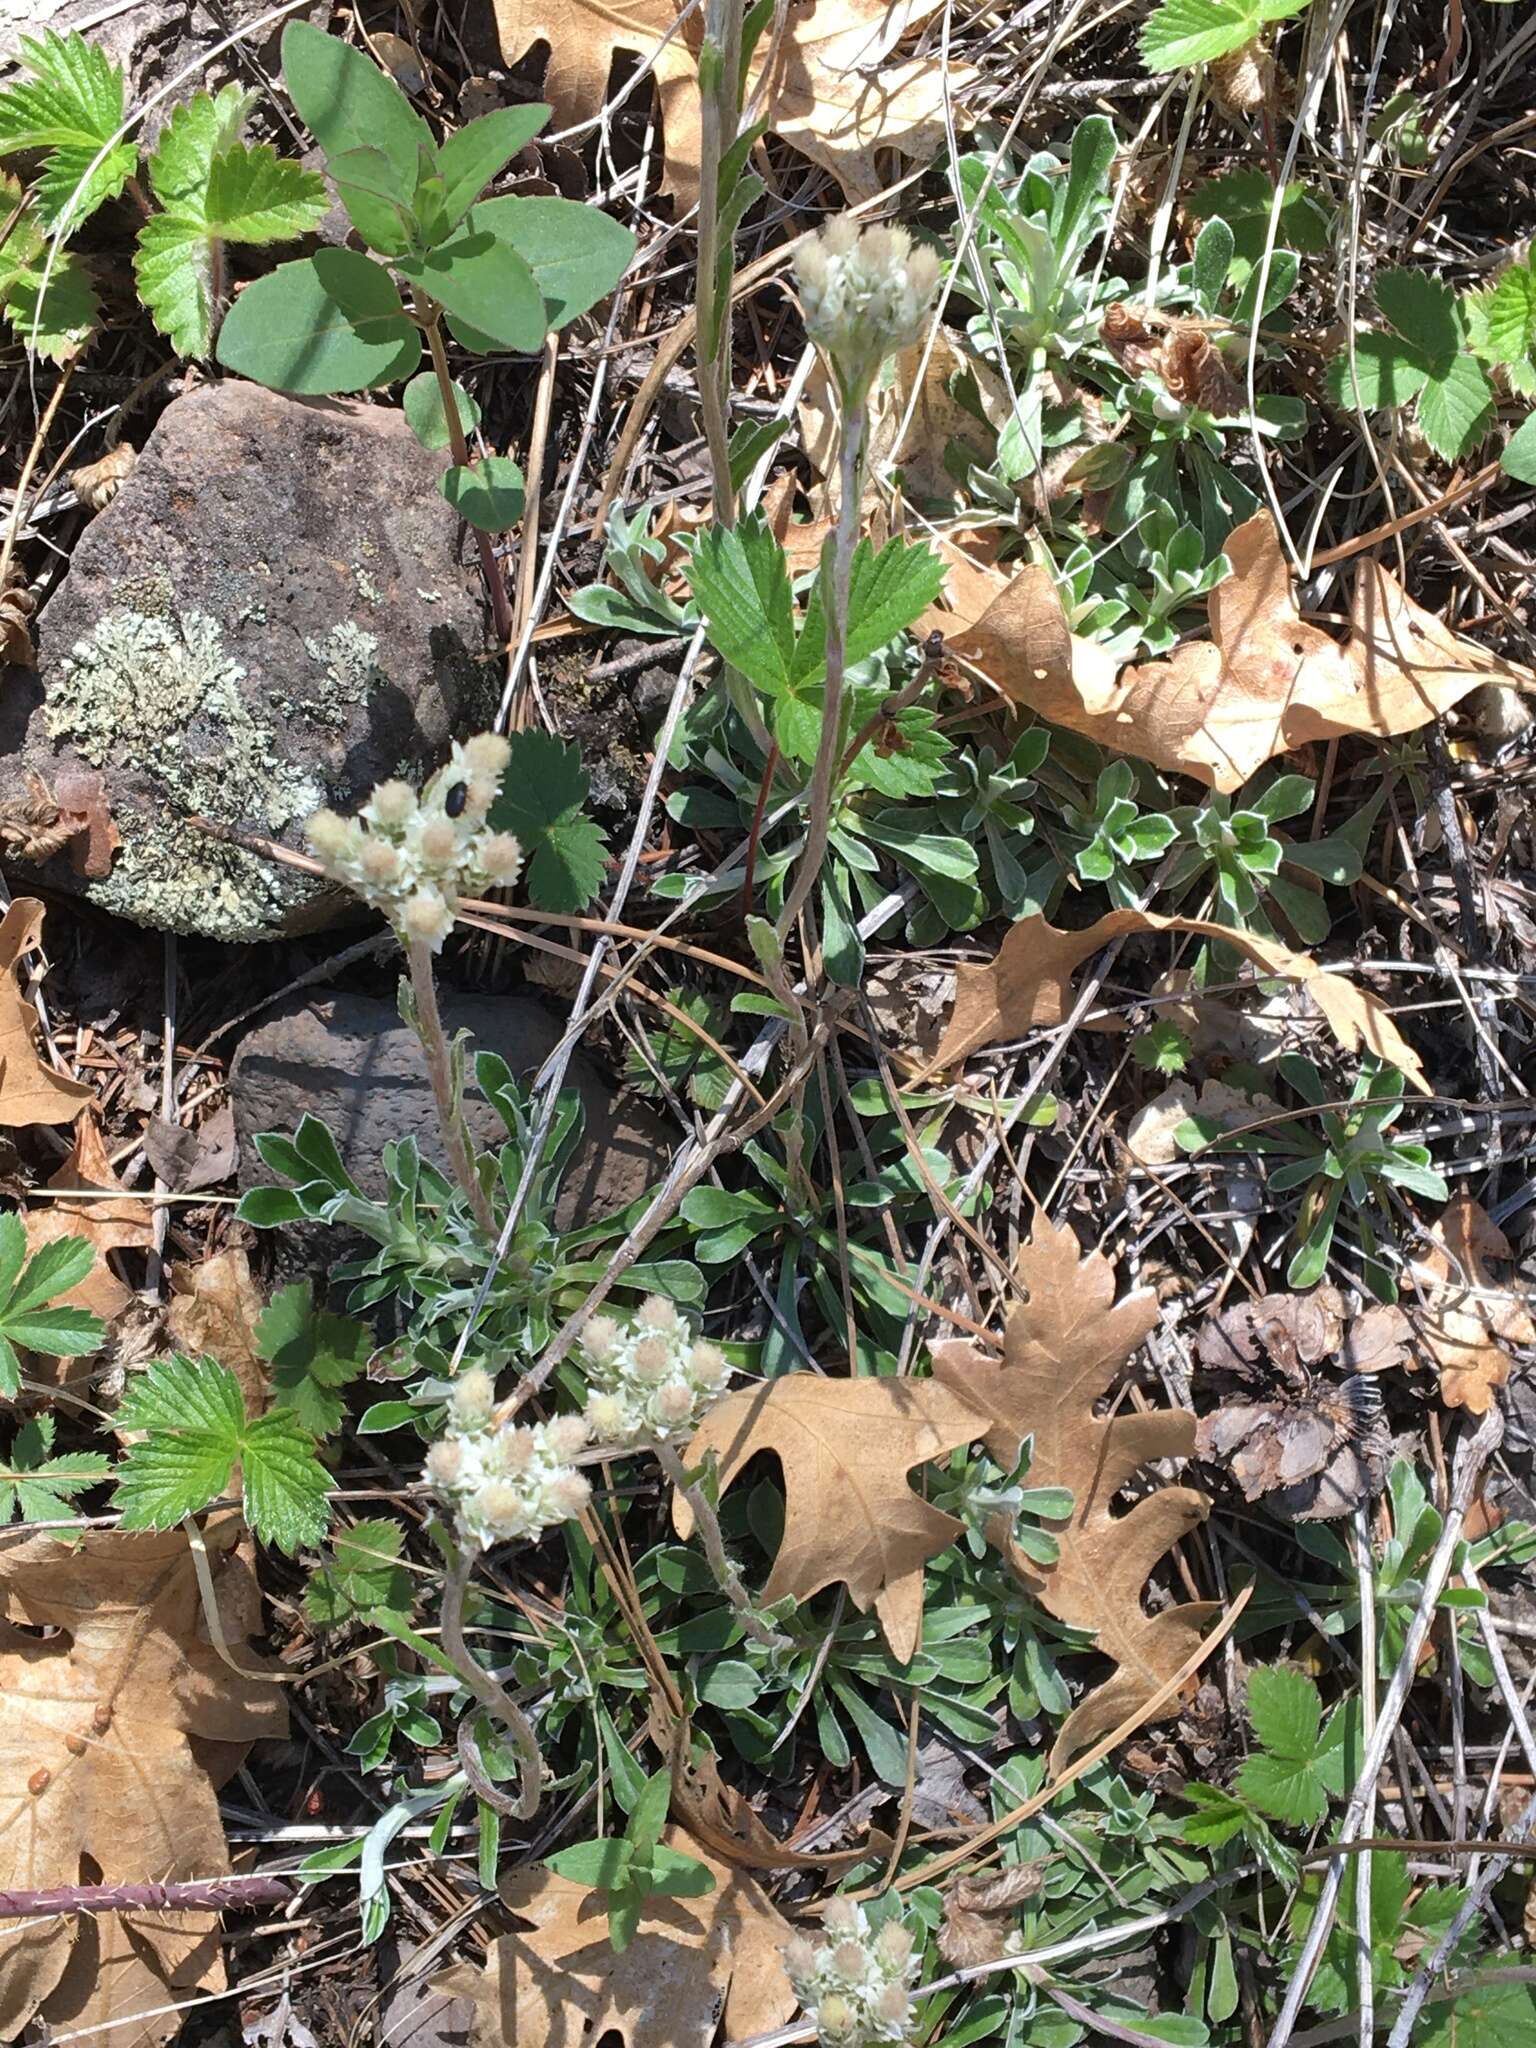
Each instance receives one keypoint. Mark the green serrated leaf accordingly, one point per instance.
(1386, 373)
(740, 582)
(542, 796)
(1509, 314)
(1519, 457)
(71, 107)
(327, 322)
(364, 1577)
(888, 591)
(1184, 32)
(190, 140)
(1287, 1788)
(193, 1416)
(59, 1265)
(1456, 409)
(1286, 1711)
(311, 1353)
(1423, 310)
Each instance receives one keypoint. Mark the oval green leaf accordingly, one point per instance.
(423, 404)
(346, 102)
(483, 282)
(327, 322)
(489, 495)
(576, 253)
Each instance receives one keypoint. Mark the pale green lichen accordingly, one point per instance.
(349, 657)
(161, 695)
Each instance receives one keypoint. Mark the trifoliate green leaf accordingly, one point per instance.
(194, 1417)
(888, 591)
(26, 1289)
(1456, 409)
(1492, 2010)
(1509, 314)
(311, 1354)
(71, 107)
(1284, 1779)
(1519, 457)
(1423, 310)
(1386, 372)
(364, 1577)
(542, 794)
(1185, 32)
(55, 319)
(215, 190)
(740, 581)
(38, 1488)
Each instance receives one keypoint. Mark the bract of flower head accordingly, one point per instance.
(652, 1382)
(503, 1482)
(856, 1984)
(865, 295)
(415, 857)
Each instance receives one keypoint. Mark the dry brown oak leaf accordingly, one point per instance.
(103, 1212)
(833, 88)
(1027, 986)
(114, 1734)
(561, 1984)
(846, 1447)
(31, 1092)
(1265, 682)
(1064, 1344)
(1466, 1315)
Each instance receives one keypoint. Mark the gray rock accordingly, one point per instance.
(275, 612)
(350, 1061)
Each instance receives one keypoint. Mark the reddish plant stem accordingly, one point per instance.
(201, 1895)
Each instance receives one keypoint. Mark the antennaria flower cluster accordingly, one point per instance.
(413, 857)
(857, 1983)
(506, 1483)
(654, 1381)
(865, 294)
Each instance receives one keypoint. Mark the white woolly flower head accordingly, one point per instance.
(856, 1984)
(865, 294)
(652, 1382)
(414, 857)
(505, 1483)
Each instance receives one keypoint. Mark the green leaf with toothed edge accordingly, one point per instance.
(71, 108)
(1184, 32)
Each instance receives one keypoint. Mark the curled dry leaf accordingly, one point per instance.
(1180, 352)
(103, 1212)
(37, 822)
(1064, 1345)
(1027, 986)
(31, 1092)
(846, 1447)
(1310, 1447)
(976, 1909)
(1466, 1316)
(17, 605)
(115, 1733)
(96, 484)
(833, 87)
(693, 1963)
(1265, 682)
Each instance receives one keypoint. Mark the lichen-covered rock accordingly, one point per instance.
(274, 613)
(351, 1062)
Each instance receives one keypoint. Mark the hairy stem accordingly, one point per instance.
(450, 1111)
(192, 1895)
(824, 770)
(496, 1701)
(726, 1576)
(720, 114)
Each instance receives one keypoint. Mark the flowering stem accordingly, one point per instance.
(726, 1576)
(823, 771)
(496, 1702)
(720, 112)
(450, 1109)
